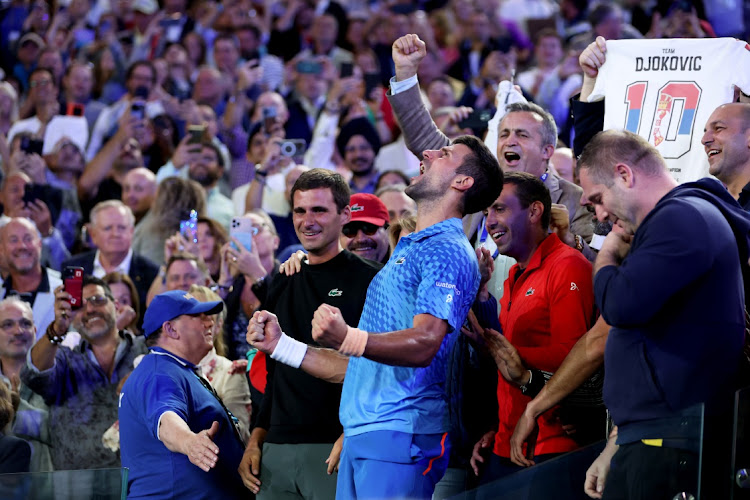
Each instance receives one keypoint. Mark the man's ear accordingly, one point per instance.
(169, 330)
(536, 211)
(624, 174)
(548, 151)
(462, 183)
(346, 215)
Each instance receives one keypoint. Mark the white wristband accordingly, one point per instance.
(289, 351)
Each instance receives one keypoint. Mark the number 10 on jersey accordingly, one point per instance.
(671, 130)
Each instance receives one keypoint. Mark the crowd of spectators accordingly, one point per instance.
(123, 121)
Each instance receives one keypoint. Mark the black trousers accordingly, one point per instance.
(642, 472)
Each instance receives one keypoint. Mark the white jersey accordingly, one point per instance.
(665, 90)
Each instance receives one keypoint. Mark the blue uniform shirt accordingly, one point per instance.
(164, 382)
(435, 272)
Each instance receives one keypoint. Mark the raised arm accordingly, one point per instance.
(420, 132)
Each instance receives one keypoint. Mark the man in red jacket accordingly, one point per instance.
(547, 305)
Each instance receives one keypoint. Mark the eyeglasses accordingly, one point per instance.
(24, 324)
(350, 230)
(39, 83)
(96, 300)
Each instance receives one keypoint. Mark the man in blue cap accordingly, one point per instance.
(170, 417)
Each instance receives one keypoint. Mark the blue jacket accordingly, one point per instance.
(676, 307)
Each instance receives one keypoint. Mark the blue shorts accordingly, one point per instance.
(390, 464)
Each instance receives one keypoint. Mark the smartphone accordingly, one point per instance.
(242, 230)
(32, 192)
(197, 133)
(189, 227)
(347, 70)
(73, 282)
(30, 145)
(269, 119)
(138, 110)
(372, 81)
(293, 147)
(74, 109)
(309, 67)
(477, 120)
(141, 92)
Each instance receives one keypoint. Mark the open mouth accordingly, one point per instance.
(511, 157)
(713, 152)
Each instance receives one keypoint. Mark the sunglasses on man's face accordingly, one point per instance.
(350, 230)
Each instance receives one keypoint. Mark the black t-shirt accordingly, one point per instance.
(297, 407)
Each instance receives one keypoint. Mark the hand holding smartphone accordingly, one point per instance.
(73, 283)
(243, 231)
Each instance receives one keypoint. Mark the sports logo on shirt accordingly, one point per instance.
(335, 293)
(356, 207)
(450, 286)
(400, 261)
(573, 286)
(530, 291)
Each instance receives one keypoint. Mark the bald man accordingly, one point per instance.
(139, 191)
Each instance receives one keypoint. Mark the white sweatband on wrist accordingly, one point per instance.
(289, 351)
(354, 343)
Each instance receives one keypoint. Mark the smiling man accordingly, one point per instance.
(358, 143)
(394, 404)
(21, 247)
(366, 232)
(726, 139)
(298, 419)
(553, 305)
(80, 385)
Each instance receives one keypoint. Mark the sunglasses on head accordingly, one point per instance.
(350, 230)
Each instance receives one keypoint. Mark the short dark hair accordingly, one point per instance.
(319, 178)
(547, 33)
(40, 69)
(182, 255)
(92, 280)
(143, 62)
(215, 149)
(153, 339)
(483, 167)
(530, 189)
(608, 148)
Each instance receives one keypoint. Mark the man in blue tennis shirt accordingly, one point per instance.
(393, 405)
(171, 421)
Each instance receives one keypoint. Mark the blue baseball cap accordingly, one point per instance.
(169, 305)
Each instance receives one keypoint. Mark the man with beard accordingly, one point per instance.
(366, 233)
(393, 405)
(21, 247)
(80, 385)
(358, 143)
(206, 169)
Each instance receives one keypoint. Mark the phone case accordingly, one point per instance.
(73, 282)
(242, 231)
